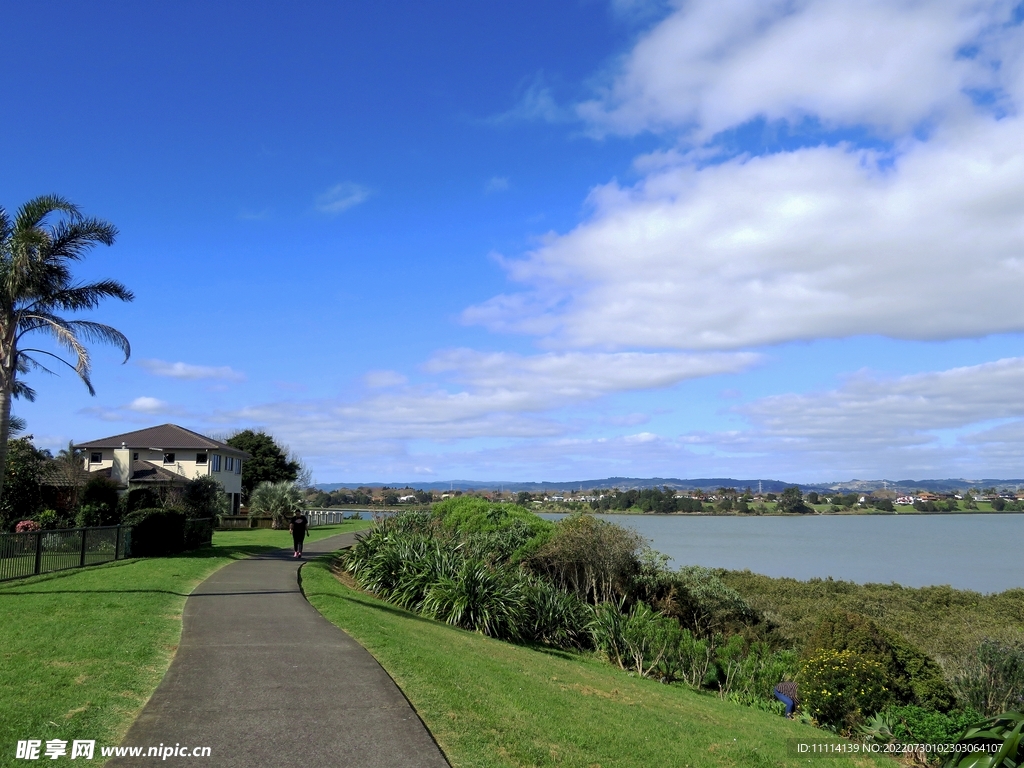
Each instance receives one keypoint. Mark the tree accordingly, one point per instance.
(279, 500)
(36, 284)
(23, 469)
(203, 496)
(268, 462)
(792, 500)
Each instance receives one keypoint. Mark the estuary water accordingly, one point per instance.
(980, 552)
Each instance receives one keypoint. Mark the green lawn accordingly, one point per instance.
(81, 651)
(489, 703)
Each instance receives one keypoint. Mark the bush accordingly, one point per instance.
(157, 532)
(141, 498)
(703, 603)
(468, 515)
(279, 500)
(203, 496)
(992, 678)
(594, 559)
(1002, 733)
(911, 676)
(838, 688)
(99, 503)
(917, 725)
(492, 601)
(27, 526)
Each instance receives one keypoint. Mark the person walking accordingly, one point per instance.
(299, 527)
(786, 693)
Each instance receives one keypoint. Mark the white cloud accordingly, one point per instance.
(966, 421)
(537, 102)
(341, 197)
(892, 64)
(192, 372)
(498, 396)
(150, 405)
(819, 242)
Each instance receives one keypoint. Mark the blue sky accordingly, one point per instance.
(544, 241)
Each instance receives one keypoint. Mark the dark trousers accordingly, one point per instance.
(297, 540)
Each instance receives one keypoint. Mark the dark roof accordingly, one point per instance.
(146, 472)
(164, 437)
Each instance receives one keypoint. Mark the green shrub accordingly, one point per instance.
(1003, 733)
(917, 725)
(691, 661)
(157, 532)
(468, 515)
(99, 502)
(911, 676)
(991, 680)
(839, 688)
(596, 560)
(492, 601)
(557, 617)
(203, 496)
(704, 604)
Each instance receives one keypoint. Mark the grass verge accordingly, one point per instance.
(490, 703)
(81, 651)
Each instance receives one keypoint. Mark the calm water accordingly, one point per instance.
(979, 552)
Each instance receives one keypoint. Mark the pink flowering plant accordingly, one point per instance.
(26, 526)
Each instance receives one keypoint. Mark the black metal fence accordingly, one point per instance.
(26, 554)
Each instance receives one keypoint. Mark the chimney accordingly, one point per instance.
(122, 469)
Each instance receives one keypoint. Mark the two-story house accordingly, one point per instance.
(166, 455)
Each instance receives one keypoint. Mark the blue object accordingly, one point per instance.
(787, 701)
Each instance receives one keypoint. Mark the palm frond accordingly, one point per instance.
(80, 297)
(22, 391)
(71, 239)
(32, 214)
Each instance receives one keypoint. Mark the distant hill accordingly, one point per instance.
(704, 483)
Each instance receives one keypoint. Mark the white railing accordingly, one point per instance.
(328, 516)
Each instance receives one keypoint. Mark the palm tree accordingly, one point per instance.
(280, 500)
(36, 247)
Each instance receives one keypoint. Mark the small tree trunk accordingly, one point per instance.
(6, 383)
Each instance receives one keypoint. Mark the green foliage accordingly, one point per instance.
(279, 500)
(910, 675)
(705, 604)
(749, 674)
(943, 622)
(991, 680)
(141, 498)
(592, 558)
(157, 532)
(792, 500)
(204, 496)
(662, 501)
(468, 515)
(486, 599)
(267, 462)
(839, 688)
(1003, 733)
(22, 494)
(99, 500)
(917, 725)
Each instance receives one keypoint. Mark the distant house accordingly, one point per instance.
(167, 455)
(410, 499)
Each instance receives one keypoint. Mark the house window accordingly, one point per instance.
(135, 456)
(168, 458)
(200, 458)
(229, 463)
(95, 457)
(215, 462)
(238, 466)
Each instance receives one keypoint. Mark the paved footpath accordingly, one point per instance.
(264, 680)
